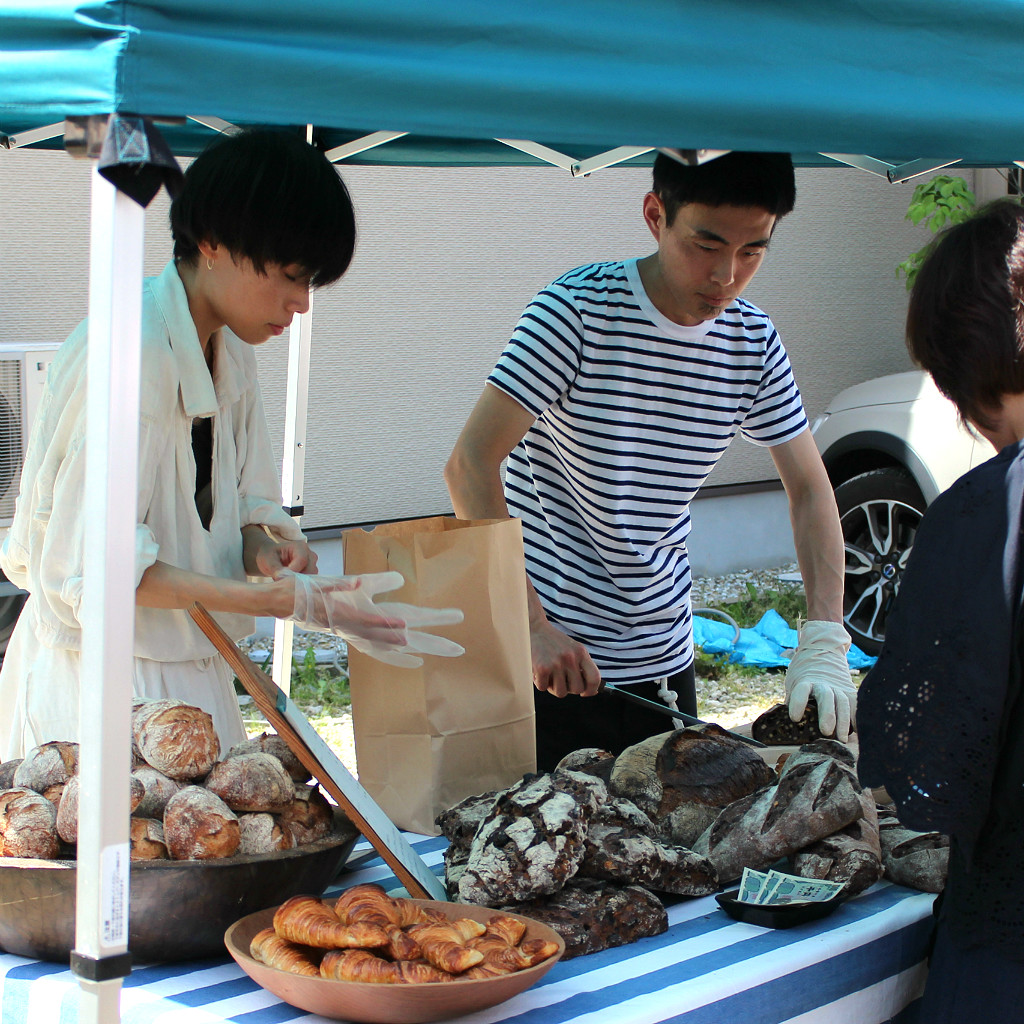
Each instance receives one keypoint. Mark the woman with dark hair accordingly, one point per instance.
(262, 217)
(941, 715)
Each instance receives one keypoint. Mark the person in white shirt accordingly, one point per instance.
(261, 218)
(621, 387)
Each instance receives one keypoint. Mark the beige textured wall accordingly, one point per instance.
(446, 261)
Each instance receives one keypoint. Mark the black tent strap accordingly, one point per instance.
(136, 159)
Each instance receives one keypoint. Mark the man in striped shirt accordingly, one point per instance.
(621, 387)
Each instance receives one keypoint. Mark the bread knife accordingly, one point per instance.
(664, 709)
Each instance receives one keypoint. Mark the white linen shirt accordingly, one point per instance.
(43, 552)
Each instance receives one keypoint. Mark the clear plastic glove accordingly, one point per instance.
(344, 605)
(819, 669)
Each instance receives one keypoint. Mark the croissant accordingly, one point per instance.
(419, 971)
(511, 929)
(413, 913)
(483, 970)
(536, 951)
(361, 965)
(498, 955)
(310, 922)
(401, 946)
(269, 948)
(444, 946)
(367, 903)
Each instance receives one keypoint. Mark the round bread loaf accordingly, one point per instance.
(7, 770)
(67, 812)
(49, 764)
(309, 816)
(146, 839)
(271, 743)
(12, 793)
(252, 782)
(28, 828)
(263, 833)
(157, 789)
(198, 825)
(176, 738)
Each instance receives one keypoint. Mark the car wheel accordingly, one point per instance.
(880, 512)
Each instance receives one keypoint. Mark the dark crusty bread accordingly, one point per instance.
(176, 738)
(852, 855)
(309, 816)
(198, 825)
(28, 827)
(776, 729)
(49, 764)
(263, 833)
(918, 860)
(592, 915)
(157, 789)
(7, 770)
(252, 782)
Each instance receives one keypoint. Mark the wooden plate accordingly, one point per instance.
(390, 1004)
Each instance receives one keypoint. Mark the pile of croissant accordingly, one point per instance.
(369, 936)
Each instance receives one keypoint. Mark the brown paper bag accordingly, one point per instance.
(428, 737)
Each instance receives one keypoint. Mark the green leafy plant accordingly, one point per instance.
(940, 202)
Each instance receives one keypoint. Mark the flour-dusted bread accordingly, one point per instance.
(252, 782)
(176, 738)
(623, 855)
(592, 915)
(688, 822)
(49, 764)
(918, 860)
(67, 812)
(7, 770)
(198, 825)
(775, 728)
(590, 760)
(817, 794)
(699, 764)
(308, 817)
(146, 839)
(28, 827)
(157, 789)
(853, 855)
(531, 843)
(263, 833)
(271, 743)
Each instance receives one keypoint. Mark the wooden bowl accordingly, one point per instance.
(178, 909)
(390, 1004)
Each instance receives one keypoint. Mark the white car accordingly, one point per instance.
(891, 445)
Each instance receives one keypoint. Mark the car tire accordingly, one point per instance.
(880, 512)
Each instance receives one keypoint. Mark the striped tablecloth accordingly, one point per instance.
(861, 965)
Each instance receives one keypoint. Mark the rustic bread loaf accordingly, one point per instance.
(688, 822)
(28, 827)
(261, 833)
(252, 782)
(175, 738)
(271, 743)
(699, 764)
(591, 915)
(590, 760)
(67, 812)
(918, 860)
(853, 855)
(623, 855)
(531, 842)
(816, 794)
(309, 816)
(198, 825)
(146, 840)
(49, 764)
(775, 728)
(157, 789)
(8, 795)
(7, 770)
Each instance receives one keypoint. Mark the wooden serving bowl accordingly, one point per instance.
(178, 909)
(390, 1004)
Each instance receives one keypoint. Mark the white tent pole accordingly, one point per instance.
(108, 605)
(293, 467)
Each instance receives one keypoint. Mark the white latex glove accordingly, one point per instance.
(344, 605)
(819, 669)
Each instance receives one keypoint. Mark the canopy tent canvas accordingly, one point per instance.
(898, 88)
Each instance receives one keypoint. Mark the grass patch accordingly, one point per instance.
(789, 602)
(322, 689)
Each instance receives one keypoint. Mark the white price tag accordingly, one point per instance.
(115, 865)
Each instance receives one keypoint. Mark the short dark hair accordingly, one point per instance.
(965, 321)
(765, 180)
(268, 196)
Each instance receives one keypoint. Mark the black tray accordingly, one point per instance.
(785, 915)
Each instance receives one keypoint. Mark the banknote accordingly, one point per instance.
(751, 885)
(780, 888)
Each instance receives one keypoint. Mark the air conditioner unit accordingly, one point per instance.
(22, 376)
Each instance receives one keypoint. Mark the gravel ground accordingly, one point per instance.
(731, 701)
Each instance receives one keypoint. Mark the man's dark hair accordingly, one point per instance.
(764, 180)
(965, 321)
(270, 197)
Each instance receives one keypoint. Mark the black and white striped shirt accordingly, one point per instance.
(633, 411)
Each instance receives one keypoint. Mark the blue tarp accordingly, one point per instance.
(769, 644)
(897, 80)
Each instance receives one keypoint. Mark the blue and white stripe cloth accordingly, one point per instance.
(862, 964)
